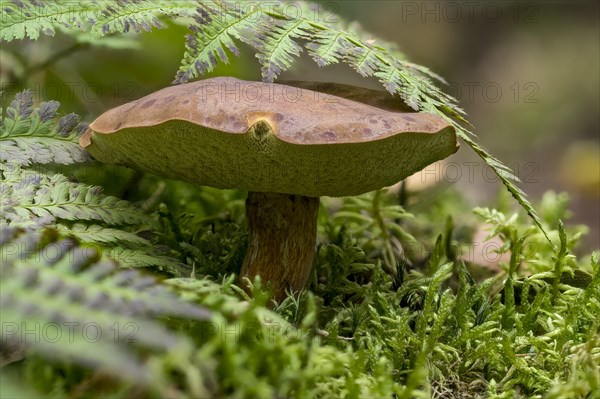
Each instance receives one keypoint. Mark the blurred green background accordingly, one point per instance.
(527, 73)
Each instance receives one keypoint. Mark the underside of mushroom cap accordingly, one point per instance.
(228, 133)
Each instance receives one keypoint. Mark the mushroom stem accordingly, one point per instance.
(282, 237)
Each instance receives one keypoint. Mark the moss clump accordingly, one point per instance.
(430, 329)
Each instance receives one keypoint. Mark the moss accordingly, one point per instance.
(430, 330)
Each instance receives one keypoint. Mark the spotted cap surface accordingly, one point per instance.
(317, 139)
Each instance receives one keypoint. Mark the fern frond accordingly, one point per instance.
(127, 249)
(212, 35)
(34, 199)
(276, 47)
(138, 258)
(30, 198)
(104, 236)
(30, 18)
(137, 15)
(73, 289)
(363, 59)
(124, 292)
(328, 47)
(34, 135)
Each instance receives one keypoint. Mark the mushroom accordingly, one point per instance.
(287, 146)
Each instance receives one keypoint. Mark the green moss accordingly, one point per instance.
(531, 330)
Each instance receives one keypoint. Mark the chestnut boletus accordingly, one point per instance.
(285, 145)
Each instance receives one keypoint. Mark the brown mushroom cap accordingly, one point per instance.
(266, 137)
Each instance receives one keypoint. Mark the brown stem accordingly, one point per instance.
(282, 237)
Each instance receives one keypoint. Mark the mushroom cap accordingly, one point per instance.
(229, 133)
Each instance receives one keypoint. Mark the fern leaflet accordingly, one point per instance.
(39, 198)
(29, 18)
(30, 197)
(136, 15)
(276, 46)
(213, 32)
(35, 136)
(104, 236)
(48, 281)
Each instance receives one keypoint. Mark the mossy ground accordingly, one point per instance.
(375, 322)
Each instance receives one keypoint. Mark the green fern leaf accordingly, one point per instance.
(31, 199)
(127, 249)
(35, 136)
(212, 35)
(104, 236)
(74, 289)
(137, 258)
(328, 47)
(363, 59)
(34, 199)
(276, 45)
(138, 16)
(29, 18)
